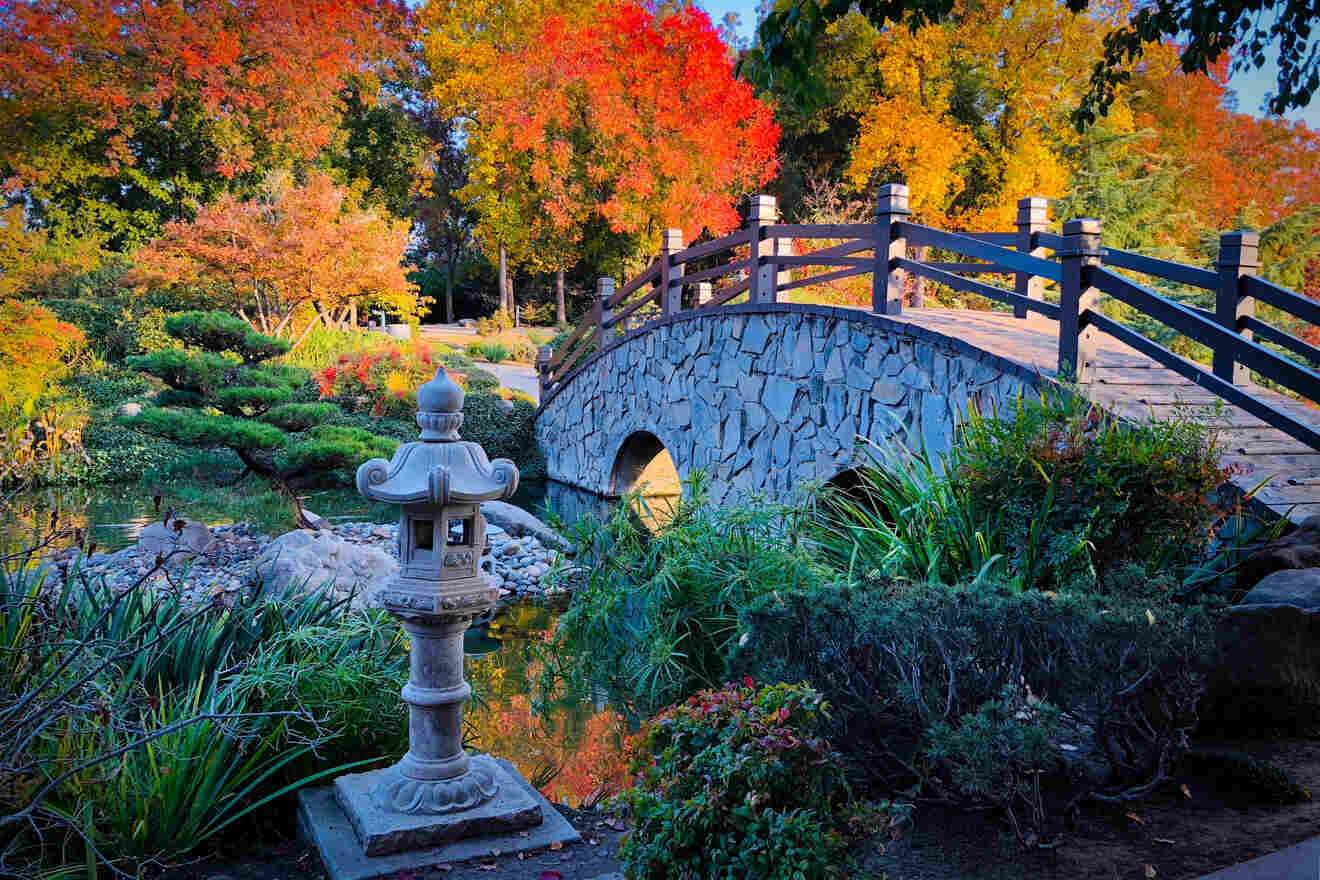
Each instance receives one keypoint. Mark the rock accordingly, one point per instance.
(518, 522)
(1301, 549)
(467, 322)
(159, 539)
(311, 560)
(130, 410)
(309, 520)
(1267, 674)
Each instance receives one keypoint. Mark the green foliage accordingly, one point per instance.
(322, 347)
(1079, 492)
(738, 783)
(193, 428)
(334, 448)
(1250, 780)
(996, 756)
(907, 669)
(181, 370)
(654, 614)
(505, 429)
(300, 416)
(180, 719)
(495, 352)
(213, 400)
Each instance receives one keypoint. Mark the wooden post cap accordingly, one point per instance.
(1033, 209)
(671, 240)
(604, 288)
(762, 209)
(893, 199)
(1240, 248)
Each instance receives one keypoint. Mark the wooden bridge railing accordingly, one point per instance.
(758, 261)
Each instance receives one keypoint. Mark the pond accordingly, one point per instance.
(113, 515)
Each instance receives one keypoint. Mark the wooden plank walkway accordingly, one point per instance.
(1139, 389)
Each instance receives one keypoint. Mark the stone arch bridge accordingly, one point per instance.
(766, 395)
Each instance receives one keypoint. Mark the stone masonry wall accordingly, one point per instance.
(766, 398)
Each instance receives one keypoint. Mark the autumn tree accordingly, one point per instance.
(294, 256)
(223, 392)
(123, 113)
(603, 118)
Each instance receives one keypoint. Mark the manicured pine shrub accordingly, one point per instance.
(224, 392)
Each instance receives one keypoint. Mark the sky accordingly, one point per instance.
(1250, 86)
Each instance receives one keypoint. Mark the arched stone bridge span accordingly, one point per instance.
(763, 397)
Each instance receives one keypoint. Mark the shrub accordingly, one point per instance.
(653, 615)
(495, 324)
(1078, 492)
(322, 347)
(898, 663)
(505, 429)
(737, 783)
(1054, 497)
(384, 380)
(226, 395)
(36, 351)
(495, 352)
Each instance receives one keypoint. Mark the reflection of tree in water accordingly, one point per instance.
(572, 752)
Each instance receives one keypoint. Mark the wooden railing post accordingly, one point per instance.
(671, 276)
(1032, 217)
(701, 295)
(604, 290)
(762, 287)
(1080, 252)
(1239, 256)
(886, 279)
(543, 356)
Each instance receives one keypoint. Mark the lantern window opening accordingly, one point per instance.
(460, 532)
(424, 534)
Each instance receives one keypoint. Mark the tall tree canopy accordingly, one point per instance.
(1281, 31)
(293, 253)
(114, 115)
(607, 117)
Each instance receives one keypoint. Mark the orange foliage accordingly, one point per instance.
(35, 351)
(293, 249)
(266, 72)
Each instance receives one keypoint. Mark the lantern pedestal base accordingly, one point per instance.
(476, 832)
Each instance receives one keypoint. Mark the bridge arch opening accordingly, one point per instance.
(643, 463)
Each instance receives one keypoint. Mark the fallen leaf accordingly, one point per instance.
(495, 852)
(1135, 818)
(556, 845)
(1151, 618)
(1186, 791)
(1150, 872)
(490, 866)
(1164, 840)
(444, 867)
(524, 834)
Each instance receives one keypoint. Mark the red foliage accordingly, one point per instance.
(636, 119)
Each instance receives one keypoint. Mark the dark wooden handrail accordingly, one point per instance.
(1080, 266)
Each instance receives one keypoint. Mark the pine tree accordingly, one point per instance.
(223, 392)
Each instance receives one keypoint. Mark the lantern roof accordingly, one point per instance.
(440, 468)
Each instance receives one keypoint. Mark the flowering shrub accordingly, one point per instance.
(384, 380)
(737, 783)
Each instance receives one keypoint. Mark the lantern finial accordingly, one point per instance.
(440, 408)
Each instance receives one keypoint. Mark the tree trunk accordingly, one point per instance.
(503, 279)
(561, 314)
(449, 291)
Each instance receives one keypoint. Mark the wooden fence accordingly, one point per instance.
(758, 262)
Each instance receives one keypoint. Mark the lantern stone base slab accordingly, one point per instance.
(324, 823)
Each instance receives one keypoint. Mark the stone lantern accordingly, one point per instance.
(437, 794)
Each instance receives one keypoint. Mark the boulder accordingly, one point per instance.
(310, 520)
(313, 559)
(1301, 549)
(161, 539)
(1267, 674)
(130, 410)
(519, 523)
(467, 322)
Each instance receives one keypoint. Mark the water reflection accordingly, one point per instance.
(572, 753)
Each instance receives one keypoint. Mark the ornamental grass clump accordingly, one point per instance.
(737, 783)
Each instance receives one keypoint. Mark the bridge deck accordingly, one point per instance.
(1138, 388)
